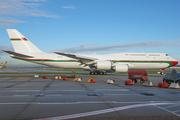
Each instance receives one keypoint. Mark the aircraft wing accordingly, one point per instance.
(82, 59)
(18, 54)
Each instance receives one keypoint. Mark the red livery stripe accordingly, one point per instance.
(25, 39)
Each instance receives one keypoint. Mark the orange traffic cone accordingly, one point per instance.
(159, 84)
(130, 82)
(93, 80)
(65, 78)
(165, 84)
(126, 83)
(45, 77)
(74, 79)
(90, 80)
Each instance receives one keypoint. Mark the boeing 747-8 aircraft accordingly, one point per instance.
(96, 63)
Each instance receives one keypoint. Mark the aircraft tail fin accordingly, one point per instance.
(4, 64)
(21, 43)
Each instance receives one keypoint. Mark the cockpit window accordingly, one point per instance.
(167, 55)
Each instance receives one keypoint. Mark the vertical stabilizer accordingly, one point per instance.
(4, 64)
(20, 43)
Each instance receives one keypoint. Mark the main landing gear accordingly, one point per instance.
(97, 73)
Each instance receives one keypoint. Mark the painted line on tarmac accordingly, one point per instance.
(171, 106)
(46, 95)
(26, 90)
(65, 90)
(45, 90)
(90, 102)
(66, 85)
(112, 89)
(21, 95)
(176, 111)
(60, 103)
(121, 94)
(168, 111)
(18, 103)
(105, 111)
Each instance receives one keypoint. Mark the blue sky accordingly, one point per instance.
(92, 26)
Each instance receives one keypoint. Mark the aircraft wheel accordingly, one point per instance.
(104, 73)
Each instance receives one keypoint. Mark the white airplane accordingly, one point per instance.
(3, 65)
(96, 63)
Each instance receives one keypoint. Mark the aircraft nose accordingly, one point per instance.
(174, 63)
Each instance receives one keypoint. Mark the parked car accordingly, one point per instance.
(169, 78)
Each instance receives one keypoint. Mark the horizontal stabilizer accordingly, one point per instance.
(18, 54)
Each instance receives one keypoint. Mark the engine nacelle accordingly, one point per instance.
(103, 65)
(119, 68)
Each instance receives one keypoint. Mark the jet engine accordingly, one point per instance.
(119, 68)
(103, 65)
(108, 65)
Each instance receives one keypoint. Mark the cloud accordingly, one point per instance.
(11, 8)
(9, 21)
(23, 7)
(119, 47)
(69, 7)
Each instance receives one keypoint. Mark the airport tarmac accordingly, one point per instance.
(42, 72)
(38, 98)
